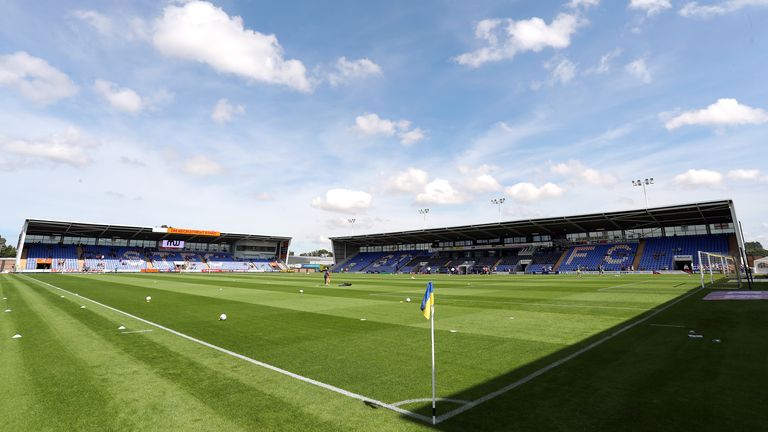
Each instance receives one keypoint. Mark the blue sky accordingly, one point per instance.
(292, 117)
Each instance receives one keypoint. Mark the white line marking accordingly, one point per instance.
(557, 363)
(136, 331)
(666, 325)
(411, 401)
(626, 285)
(250, 360)
(501, 302)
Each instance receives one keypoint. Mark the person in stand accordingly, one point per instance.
(327, 277)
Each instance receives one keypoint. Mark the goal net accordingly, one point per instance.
(716, 267)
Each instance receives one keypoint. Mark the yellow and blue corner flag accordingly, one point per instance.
(428, 301)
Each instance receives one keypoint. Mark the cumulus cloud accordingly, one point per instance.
(202, 32)
(352, 69)
(724, 112)
(696, 10)
(411, 180)
(343, 201)
(576, 170)
(699, 178)
(505, 38)
(484, 183)
(440, 191)
(650, 7)
(744, 174)
(34, 78)
(372, 124)
(121, 99)
(72, 147)
(480, 179)
(225, 112)
(529, 192)
(639, 70)
(202, 166)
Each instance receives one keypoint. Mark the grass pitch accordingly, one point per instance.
(74, 370)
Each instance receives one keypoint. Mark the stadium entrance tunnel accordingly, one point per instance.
(636, 375)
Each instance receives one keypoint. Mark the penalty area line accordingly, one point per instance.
(250, 360)
(557, 363)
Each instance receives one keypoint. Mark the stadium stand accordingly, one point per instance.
(671, 253)
(543, 259)
(359, 262)
(612, 257)
(56, 257)
(59, 246)
(391, 262)
(509, 262)
(108, 258)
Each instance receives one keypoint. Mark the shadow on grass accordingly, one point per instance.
(637, 380)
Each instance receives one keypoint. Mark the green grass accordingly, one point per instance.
(73, 370)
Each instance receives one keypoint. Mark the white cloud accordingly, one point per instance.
(480, 178)
(411, 180)
(101, 23)
(605, 63)
(534, 34)
(724, 112)
(411, 136)
(701, 177)
(372, 124)
(639, 70)
(122, 99)
(440, 191)
(343, 201)
(34, 78)
(694, 9)
(72, 148)
(650, 7)
(130, 28)
(529, 192)
(353, 69)
(484, 183)
(264, 196)
(576, 170)
(564, 71)
(224, 112)
(744, 174)
(200, 31)
(582, 3)
(202, 166)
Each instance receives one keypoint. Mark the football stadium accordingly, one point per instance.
(560, 323)
(360, 216)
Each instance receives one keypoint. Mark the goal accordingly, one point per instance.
(718, 267)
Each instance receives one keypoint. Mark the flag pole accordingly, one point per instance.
(432, 322)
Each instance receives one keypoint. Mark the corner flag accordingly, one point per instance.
(428, 302)
(428, 309)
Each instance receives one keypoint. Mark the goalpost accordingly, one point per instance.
(715, 263)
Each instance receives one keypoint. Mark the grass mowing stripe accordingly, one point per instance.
(64, 386)
(557, 363)
(250, 360)
(225, 397)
